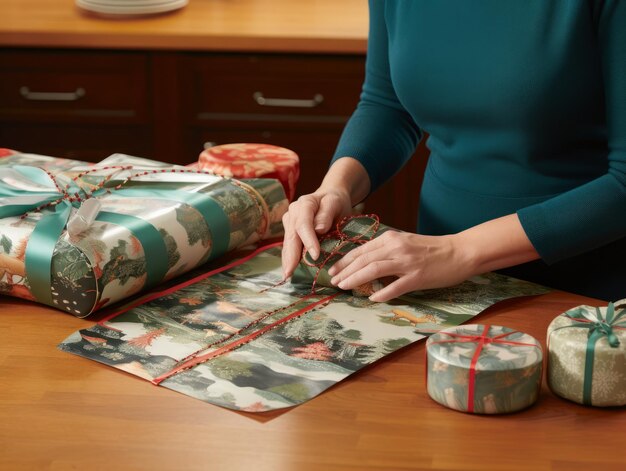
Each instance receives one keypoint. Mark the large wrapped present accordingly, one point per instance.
(587, 355)
(78, 237)
(249, 160)
(483, 369)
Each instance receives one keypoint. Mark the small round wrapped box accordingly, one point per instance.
(483, 369)
(587, 355)
(254, 161)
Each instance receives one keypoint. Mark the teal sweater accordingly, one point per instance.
(524, 102)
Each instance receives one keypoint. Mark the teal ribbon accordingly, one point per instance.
(42, 242)
(599, 326)
(206, 206)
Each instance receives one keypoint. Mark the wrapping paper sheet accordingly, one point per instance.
(107, 263)
(238, 338)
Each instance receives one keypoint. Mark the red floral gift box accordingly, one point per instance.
(254, 161)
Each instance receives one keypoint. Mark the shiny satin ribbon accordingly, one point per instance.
(481, 340)
(599, 326)
(15, 201)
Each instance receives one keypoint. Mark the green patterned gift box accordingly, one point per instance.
(483, 369)
(139, 222)
(587, 355)
(347, 235)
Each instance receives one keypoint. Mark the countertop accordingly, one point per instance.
(310, 26)
(59, 411)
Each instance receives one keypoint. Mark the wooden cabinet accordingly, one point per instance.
(301, 103)
(75, 104)
(169, 105)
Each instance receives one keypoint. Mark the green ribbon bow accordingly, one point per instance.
(599, 326)
(41, 189)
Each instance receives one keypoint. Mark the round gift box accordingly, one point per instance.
(483, 369)
(254, 161)
(587, 356)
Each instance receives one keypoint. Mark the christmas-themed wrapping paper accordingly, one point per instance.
(249, 160)
(587, 355)
(241, 338)
(483, 369)
(153, 222)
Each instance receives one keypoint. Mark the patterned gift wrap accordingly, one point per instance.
(587, 355)
(349, 233)
(483, 369)
(240, 338)
(254, 161)
(154, 227)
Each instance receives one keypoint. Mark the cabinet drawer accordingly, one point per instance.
(315, 148)
(81, 142)
(69, 86)
(270, 88)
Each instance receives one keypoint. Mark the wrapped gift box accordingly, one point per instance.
(254, 161)
(483, 369)
(587, 355)
(348, 234)
(161, 222)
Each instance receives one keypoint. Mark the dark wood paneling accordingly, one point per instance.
(112, 87)
(166, 105)
(82, 142)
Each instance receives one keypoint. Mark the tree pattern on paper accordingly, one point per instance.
(294, 360)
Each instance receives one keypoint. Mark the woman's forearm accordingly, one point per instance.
(349, 175)
(496, 244)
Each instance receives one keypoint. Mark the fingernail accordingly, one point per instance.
(342, 284)
(319, 227)
(314, 254)
(332, 271)
(334, 280)
(373, 298)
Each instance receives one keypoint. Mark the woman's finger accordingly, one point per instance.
(292, 248)
(330, 208)
(361, 262)
(357, 253)
(371, 272)
(399, 287)
(304, 225)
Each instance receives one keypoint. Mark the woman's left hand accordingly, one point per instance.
(418, 262)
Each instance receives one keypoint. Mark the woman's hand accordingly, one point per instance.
(425, 262)
(346, 182)
(307, 217)
(417, 261)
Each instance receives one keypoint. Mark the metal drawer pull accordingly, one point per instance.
(52, 96)
(287, 102)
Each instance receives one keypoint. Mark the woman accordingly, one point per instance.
(525, 105)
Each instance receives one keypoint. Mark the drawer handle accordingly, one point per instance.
(52, 96)
(317, 100)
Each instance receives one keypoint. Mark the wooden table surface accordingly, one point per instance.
(324, 26)
(59, 411)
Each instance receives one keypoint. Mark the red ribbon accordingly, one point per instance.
(481, 340)
(343, 239)
(194, 361)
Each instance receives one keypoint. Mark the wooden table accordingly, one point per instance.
(320, 26)
(59, 411)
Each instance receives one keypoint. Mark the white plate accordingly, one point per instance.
(126, 3)
(134, 9)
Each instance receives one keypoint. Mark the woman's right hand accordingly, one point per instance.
(307, 217)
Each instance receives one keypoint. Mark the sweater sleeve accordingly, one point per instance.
(593, 214)
(381, 134)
